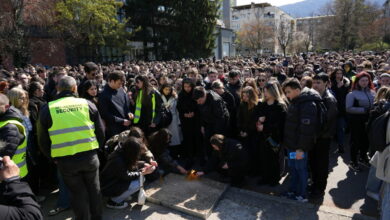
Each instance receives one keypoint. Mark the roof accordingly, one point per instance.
(315, 17)
(258, 5)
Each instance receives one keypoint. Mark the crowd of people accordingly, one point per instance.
(99, 129)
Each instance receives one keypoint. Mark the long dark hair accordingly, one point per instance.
(334, 73)
(87, 85)
(146, 86)
(170, 86)
(138, 133)
(131, 151)
(158, 141)
(190, 82)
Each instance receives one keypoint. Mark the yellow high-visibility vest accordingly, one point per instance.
(138, 107)
(20, 154)
(72, 131)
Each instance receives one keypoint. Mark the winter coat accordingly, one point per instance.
(174, 127)
(381, 160)
(359, 102)
(18, 201)
(245, 119)
(116, 177)
(10, 133)
(234, 89)
(331, 115)
(185, 105)
(302, 121)
(340, 94)
(233, 154)
(275, 116)
(114, 107)
(214, 115)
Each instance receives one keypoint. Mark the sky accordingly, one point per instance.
(272, 2)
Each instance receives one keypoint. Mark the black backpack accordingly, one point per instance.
(377, 132)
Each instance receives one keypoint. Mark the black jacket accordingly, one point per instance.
(273, 125)
(116, 177)
(245, 119)
(214, 115)
(34, 106)
(377, 110)
(10, 133)
(18, 202)
(341, 94)
(234, 89)
(302, 121)
(114, 107)
(331, 115)
(185, 104)
(230, 102)
(45, 122)
(233, 154)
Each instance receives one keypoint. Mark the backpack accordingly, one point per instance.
(377, 132)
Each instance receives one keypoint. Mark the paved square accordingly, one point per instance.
(196, 197)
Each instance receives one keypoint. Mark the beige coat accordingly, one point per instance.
(381, 160)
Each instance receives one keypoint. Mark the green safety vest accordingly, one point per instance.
(138, 107)
(72, 131)
(20, 154)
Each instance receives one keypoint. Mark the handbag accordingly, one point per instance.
(141, 193)
(166, 117)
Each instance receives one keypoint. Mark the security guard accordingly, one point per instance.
(70, 131)
(13, 133)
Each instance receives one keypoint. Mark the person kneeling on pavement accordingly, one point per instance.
(120, 177)
(230, 159)
(158, 144)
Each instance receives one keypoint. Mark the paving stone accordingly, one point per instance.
(196, 198)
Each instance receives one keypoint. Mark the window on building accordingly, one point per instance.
(269, 15)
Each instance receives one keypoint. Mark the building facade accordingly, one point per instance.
(313, 27)
(265, 13)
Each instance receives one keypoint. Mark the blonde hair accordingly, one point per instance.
(253, 98)
(382, 94)
(14, 96)
(273, 88)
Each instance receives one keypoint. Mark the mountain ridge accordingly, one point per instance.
(312, 7)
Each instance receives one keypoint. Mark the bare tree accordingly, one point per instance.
(347, 28)
(284, 34)
(254, 35)
(18, 18)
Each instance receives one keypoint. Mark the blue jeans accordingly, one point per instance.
(373, 183)
(385, 208)
(341, 123)
(63, 197)
(133, 187)
(299, 175)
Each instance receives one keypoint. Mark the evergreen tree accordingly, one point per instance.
(175, 29)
